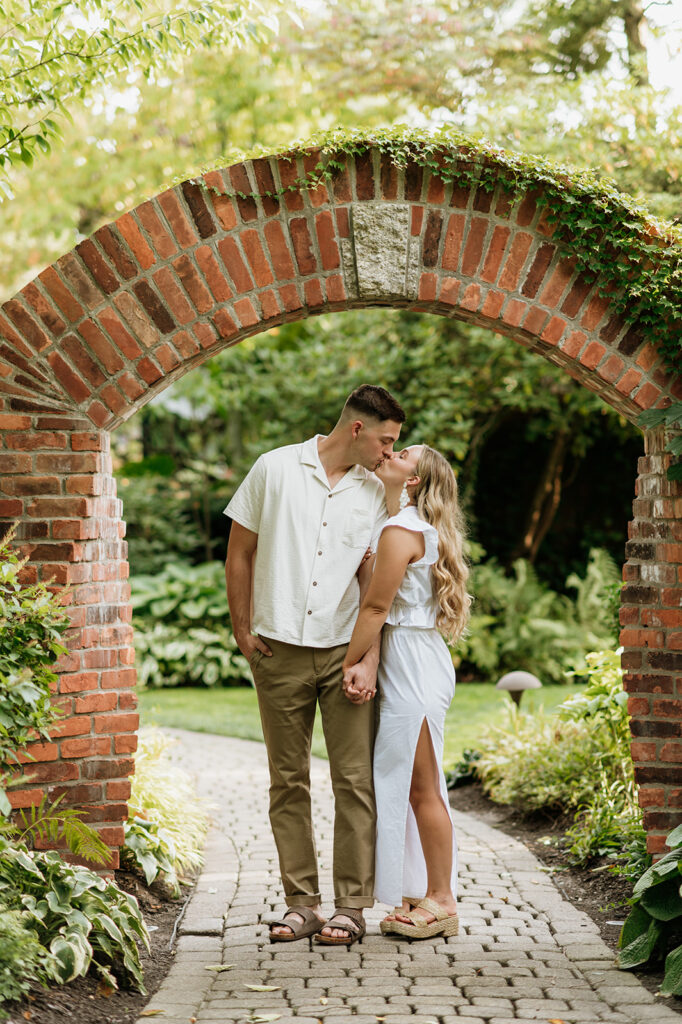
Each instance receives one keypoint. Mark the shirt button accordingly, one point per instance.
(310, 613)
(324, 524)
(314, 583)
(319, 552)
(330, 495)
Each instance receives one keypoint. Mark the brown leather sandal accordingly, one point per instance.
(310, 925)
(355, 930)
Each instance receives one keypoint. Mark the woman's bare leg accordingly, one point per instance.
(434, 824)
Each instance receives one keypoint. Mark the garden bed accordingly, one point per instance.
(87, 1000)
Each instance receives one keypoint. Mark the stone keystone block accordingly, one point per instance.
(382, 235)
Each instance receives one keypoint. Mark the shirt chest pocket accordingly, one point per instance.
(357, 531)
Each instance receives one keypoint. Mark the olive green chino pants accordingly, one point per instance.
(289, 686)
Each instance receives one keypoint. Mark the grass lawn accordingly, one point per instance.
(233, 711)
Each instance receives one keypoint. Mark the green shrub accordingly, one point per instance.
(79, 918)
(653, 929)
(155, 539)
(182, 628)
(32, 623)
(168, 825)
(575, 760)
(23, 961)
(517, 622)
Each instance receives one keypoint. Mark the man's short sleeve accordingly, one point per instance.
(246, 506)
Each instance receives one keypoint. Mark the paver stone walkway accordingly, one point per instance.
(523, 955)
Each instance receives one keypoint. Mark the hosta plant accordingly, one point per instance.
(653, 929)
(83, 921)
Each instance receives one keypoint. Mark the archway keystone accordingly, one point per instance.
(210, 262)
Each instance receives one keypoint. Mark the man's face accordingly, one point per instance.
(373, 441)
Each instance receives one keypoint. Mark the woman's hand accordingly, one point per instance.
(359, 682)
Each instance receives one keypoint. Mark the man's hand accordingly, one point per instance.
(248, 644)
(360, 682)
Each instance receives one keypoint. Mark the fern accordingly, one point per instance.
(45, 822)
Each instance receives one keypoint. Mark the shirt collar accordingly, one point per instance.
(310, 456)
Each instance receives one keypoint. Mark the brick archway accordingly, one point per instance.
(146, 298)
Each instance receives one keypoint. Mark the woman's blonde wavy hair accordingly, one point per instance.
(438, 504)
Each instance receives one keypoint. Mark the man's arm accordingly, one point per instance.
(359, 683)
(241, 550)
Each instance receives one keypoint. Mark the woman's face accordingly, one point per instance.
(401, 466)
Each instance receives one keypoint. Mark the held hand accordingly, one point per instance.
(367, 554)
(249, 644)
(359, 683)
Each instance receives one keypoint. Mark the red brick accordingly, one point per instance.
(335, 288)
(388, 177)
(303, 246)
(101, 271)
(427, 287)
(279, 251)
(628, 382)
(266, 184)
(98, 414)
(514, 312)
(449, 290)
(82, 360)
(10, 507)
(594, 313)
(256, 257)
(27, 325)
(75, 725)
(117, 251)
(45, 310)
(151, 222)
(8, 421)
(87, 441)
(648, 357)
(16, 463)
(73, 384)
(592, 355)
(471, 299)
(473, 247)
(246, 203)
(185, 345)
(342, 221)
(195, 198)
(215, 278)
(416, 220)
(493, 304)
(119, 335)
(113, 398)
(269, 306)
(289, 176)
(573, 302)
(647, 396)
(554, 330)
(246, 314)
(234, 264)
(137, 319)
(496, 249)
(118, 678)
(671, 752)
(173, 297)
(638, 706)
(453, 241)
(291, 300)
(526, 210)
(516, 257)
(573, 344)
(538, 270)
(24, 486)
(175, 215)
(85, 746)
(329, 250)
(313, 293)
(68, 304)
(225, 326)
(414, 177)
(76, 682)
(222, 205)
(167, 357)
(128, 228)
(558, 282)
(126, 743)
(535, 320)
(38, 752)
(119, 790)
(649, 797)
(25, 797)
(148, 370)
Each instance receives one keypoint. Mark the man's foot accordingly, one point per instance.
(346, 926)
(297, 923)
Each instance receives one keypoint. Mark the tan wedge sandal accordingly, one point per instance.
(445, 924)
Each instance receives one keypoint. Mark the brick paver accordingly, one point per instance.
(523, 955)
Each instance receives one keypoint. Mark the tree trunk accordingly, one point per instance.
(633, 20)
(545, 501)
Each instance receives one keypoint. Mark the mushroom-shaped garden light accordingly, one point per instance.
(516, 683)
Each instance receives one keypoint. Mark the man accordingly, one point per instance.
(302, 521)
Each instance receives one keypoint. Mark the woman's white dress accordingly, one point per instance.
(416, 682)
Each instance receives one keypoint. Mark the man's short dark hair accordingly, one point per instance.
(371, 400)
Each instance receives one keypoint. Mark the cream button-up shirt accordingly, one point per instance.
(311, 539)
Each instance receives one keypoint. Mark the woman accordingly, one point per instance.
(417, 592)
